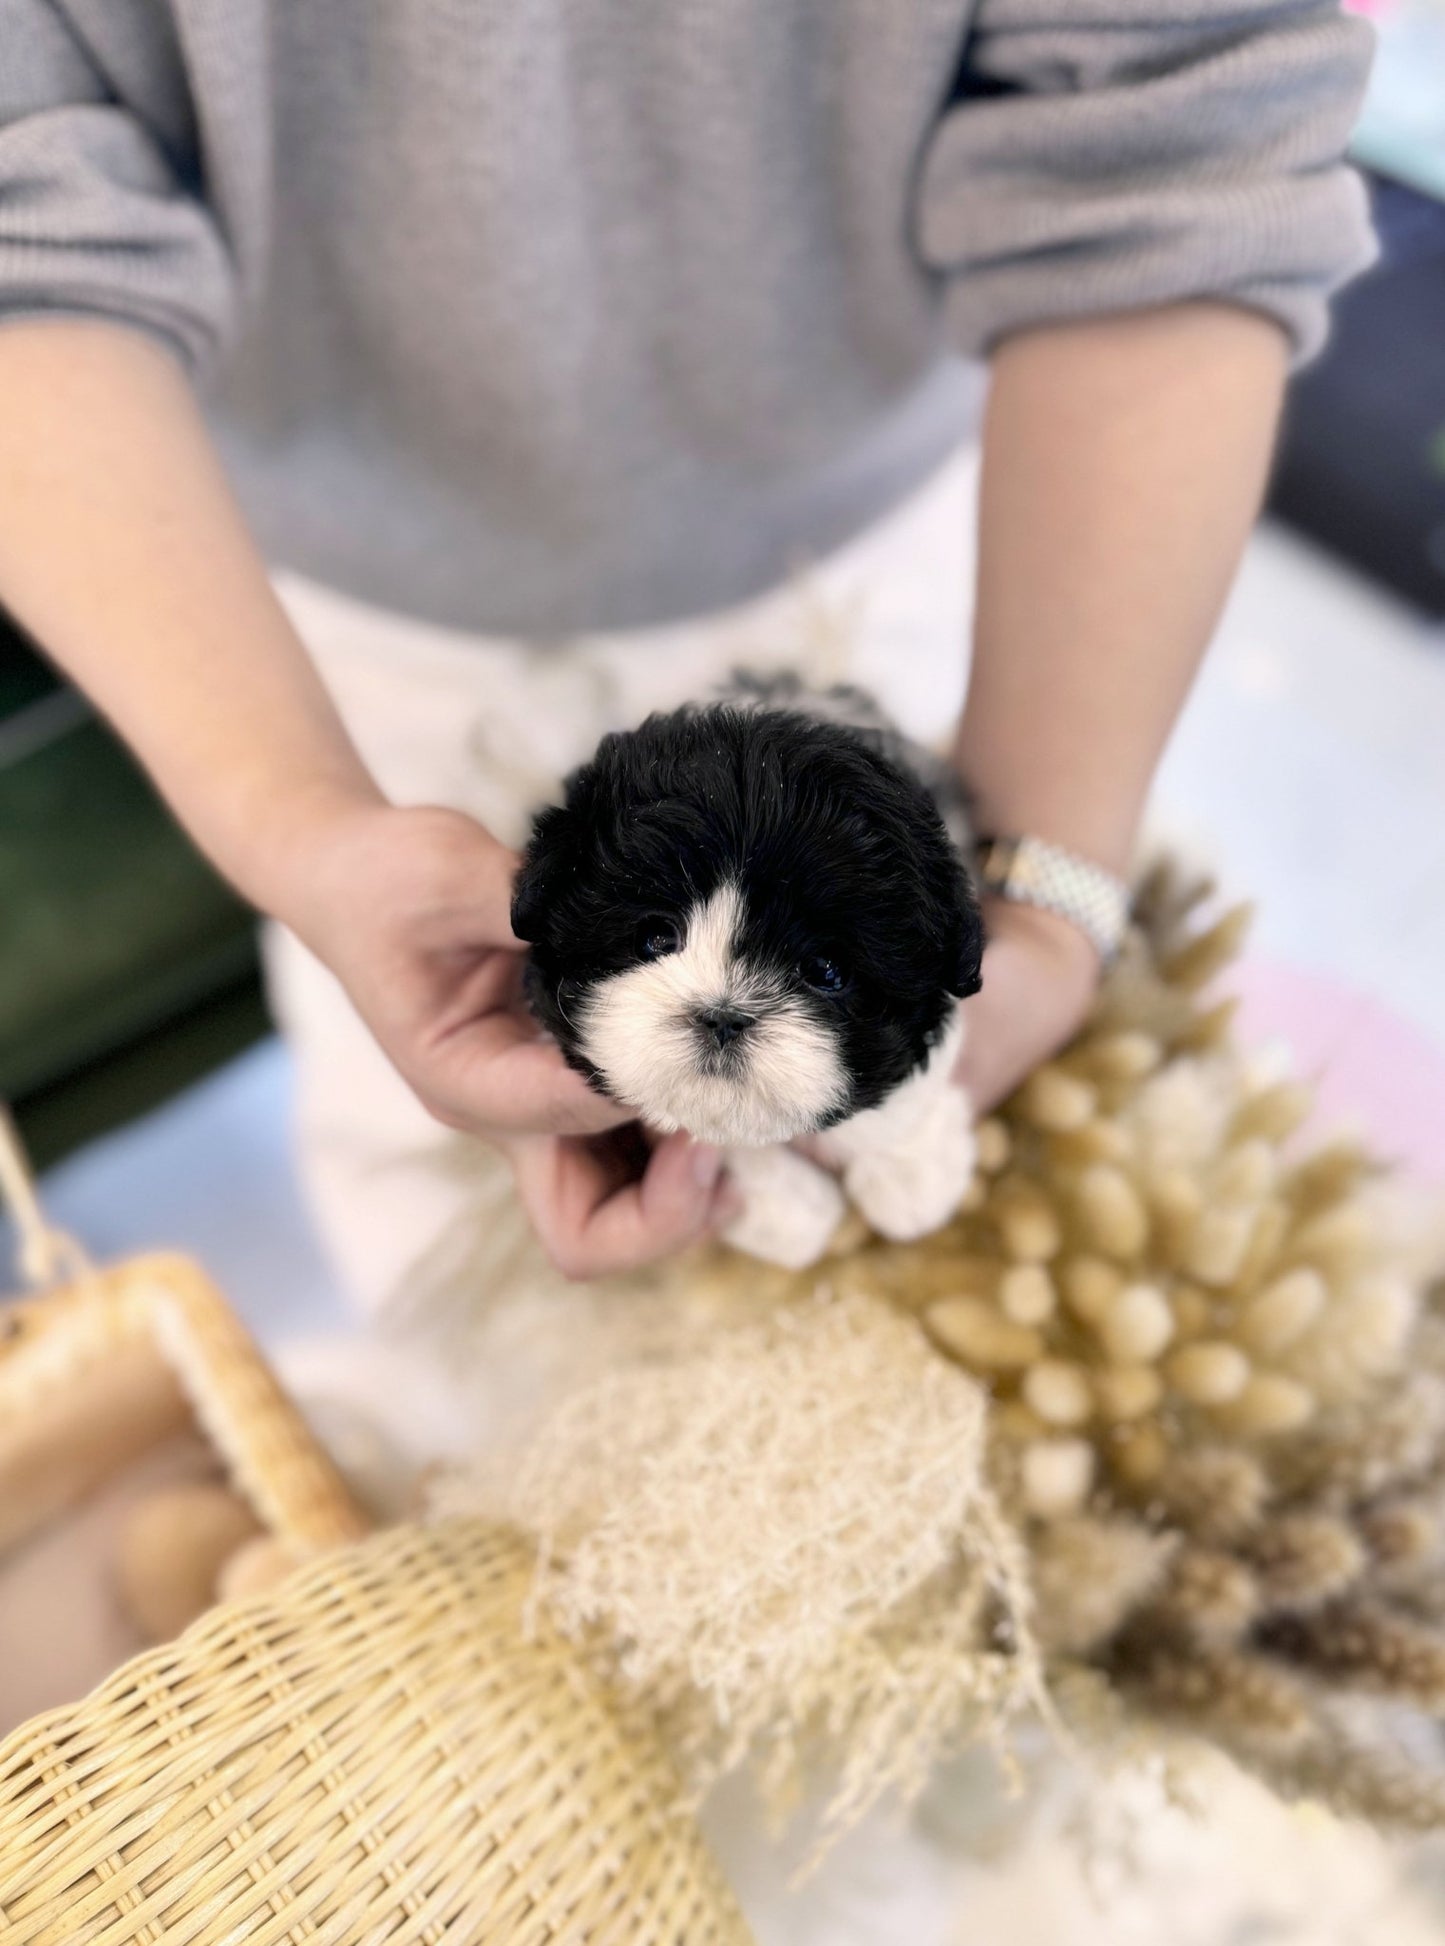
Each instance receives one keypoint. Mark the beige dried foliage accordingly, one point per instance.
(762, 1527)
(1357, 1644)
(1420, 1594)
(1207, 1596)
(1089, 1574)
(1304, 1560)
(1403, 1537)
(1214, 1494)
(1267, 1410)
(1247, 1702)
(1384, 1442)
(1354, 1779)
(1208, 1433)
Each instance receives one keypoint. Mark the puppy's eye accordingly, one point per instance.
(822, 975)
(656, 938)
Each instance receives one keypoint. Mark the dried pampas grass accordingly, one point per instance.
(785, 1541)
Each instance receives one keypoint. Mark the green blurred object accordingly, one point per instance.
(127, 968)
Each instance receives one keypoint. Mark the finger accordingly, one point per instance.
(591, 1226)
(496, 1073)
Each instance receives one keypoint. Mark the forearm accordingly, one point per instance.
(122, 551)
(1124, 460)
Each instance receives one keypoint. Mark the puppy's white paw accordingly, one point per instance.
(791, 1208)
(913, 1187)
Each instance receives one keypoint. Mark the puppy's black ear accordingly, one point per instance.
(540, 874)
(964, 970)
(967, 974)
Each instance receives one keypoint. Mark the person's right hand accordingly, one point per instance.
(410, 909)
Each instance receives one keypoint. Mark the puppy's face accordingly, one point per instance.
(745, 923)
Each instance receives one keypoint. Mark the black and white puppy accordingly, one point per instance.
(749, 920)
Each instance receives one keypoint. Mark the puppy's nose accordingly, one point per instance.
(724, 1023)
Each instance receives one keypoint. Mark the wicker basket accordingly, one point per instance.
(116, 1385)
(377, 1751)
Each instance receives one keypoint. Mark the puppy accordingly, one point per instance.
(750, 921)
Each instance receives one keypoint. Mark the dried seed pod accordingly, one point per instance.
(1090, 1286)
(1271, 1228)
(1026, 1221)
(993, 1146)
(1112, 1212)
(1207, 1031)
(1419, 1593)
(1194, 1313)
(1269, 1404)
(1195, 964)
(974, 1198)
(1088, 1574)
(1282, 1311)
(1138, 1454)
(1102, 1140)
(1274, 1113)
(1403, 1536)
(1383, 1443)
(1359, 1338)
(1058, 1391)
(1216, 1493)
(1122, 1056)
(1124, 1392)
(1206, 1594)
(1014, 1421)
(1365, 1647)
(1221, 1237)
(975, 1332)
(1304, 1560)
(1245, 1173)
(1137, 1325)
(1336, 1241)
(1363, 1782)
(1208, 1372)
(1175, 1202)
(1057, 1476)
(1324, 1179)
(1056, 1101)
(1245, 1699)
(1026, 1294)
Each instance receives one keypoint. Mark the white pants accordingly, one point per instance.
(411, 1212)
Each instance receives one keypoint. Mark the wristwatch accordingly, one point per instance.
(1031, 871)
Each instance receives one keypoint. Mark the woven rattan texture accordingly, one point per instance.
(375, 1753)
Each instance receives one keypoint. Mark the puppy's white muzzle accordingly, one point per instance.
(701, 1041)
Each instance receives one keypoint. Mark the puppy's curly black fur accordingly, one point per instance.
(853, 905)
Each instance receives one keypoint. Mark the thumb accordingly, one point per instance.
(679, 1190)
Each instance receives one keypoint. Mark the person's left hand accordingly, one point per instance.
(1040, 975)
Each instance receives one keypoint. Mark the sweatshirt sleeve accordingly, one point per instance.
(1105, 155)
(101, 209)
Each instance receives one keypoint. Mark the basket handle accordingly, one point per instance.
(45, 1255)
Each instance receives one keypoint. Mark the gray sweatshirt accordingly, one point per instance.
(542, 315)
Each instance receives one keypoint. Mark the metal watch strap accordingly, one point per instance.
(1031, 871)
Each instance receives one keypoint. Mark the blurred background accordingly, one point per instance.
(1309, 768)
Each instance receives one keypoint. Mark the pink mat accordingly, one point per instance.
(1374, 1070)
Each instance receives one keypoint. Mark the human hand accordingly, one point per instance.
(410, 909)
(1040, 975)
